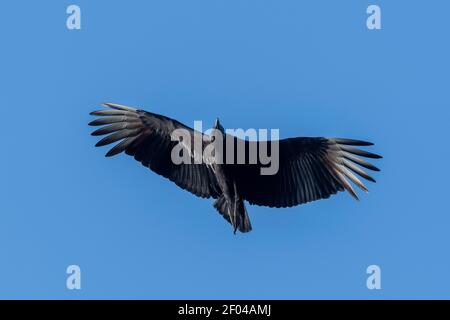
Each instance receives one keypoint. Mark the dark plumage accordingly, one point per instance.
(309, 168)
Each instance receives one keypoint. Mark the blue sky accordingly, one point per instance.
(310, 68)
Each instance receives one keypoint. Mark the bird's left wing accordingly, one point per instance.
(309, 169)
(147, 137)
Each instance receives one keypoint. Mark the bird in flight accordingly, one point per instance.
(309, 168)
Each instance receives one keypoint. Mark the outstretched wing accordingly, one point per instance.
(147, 137)
(309, 169)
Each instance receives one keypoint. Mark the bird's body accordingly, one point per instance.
(231, 203)
(308, 168)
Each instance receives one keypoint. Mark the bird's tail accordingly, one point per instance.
(240, 220)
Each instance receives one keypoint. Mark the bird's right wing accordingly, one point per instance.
(147, 137)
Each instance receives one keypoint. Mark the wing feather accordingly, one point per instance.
(309, 169)
(147, 137)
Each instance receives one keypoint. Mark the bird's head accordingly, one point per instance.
(218, 126)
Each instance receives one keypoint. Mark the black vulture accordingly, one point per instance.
(309, 168)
